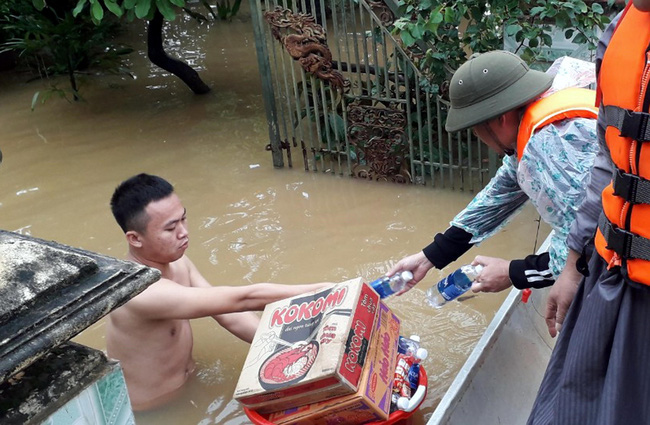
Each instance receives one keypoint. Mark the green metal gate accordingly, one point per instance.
(343, 97)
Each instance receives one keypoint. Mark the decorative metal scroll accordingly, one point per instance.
(382, 11)
(378, 133)
(306, 42)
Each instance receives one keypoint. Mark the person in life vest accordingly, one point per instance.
(597, 373)
(548, 139)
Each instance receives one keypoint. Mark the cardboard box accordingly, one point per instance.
(309, 348)
(371, 402)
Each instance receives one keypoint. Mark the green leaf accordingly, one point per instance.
(97, 11)
(167, 10)
(400, 23)
(114, 8)
(512, 29)
(129, 4)
(179, 3)
(435, 17)
(407, 38)
(431, 27)
(519, 37)
(597, 8)
(579, 39)
(582, 7)
(39, 4)
(449, 15)
(142, 8)
(80, 5)
(537, 10)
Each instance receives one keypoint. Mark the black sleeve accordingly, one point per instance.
(531, 272)
(447, 247)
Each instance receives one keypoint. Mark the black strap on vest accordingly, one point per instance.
(631, 188)
(624, 243)
(635, 125)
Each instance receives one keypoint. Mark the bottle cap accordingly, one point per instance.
(407, 275)
(421, 353)
(402, 403)
(415, 338)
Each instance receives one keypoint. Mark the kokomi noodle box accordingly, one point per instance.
(309, 348)
(371, 402)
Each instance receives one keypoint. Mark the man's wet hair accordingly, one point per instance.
(132, 196)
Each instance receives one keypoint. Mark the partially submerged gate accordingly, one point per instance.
(343, 97)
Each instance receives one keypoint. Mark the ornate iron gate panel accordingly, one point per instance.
(341, 92)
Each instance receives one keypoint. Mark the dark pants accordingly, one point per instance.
(599, 372)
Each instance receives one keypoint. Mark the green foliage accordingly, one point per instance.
(441, 35)
(51, 41)
(145, 9)
(225, 10)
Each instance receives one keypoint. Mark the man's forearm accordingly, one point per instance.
(243, 324)
(531, 272)
(447, 247)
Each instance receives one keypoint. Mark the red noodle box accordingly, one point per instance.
(309, 348)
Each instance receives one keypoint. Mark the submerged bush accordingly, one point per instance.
(50, 41)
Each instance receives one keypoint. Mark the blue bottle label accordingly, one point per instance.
(414, 376)
(448, 289)
(382, 287)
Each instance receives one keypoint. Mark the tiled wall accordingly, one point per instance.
(105, 402)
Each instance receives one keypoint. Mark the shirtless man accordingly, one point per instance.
(151, 335)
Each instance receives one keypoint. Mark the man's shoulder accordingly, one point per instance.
(162, 284)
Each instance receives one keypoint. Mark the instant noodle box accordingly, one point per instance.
(371, 402)
(309, 348)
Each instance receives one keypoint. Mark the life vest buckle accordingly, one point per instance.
(631, 187)
(635, 126)
(624, 243)
(625, 185)
(619, 241)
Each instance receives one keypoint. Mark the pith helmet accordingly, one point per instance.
(490, 85)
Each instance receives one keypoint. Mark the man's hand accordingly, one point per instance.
(494, 277)
(562, 293)
(418, 264)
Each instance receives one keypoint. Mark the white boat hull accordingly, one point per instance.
(499, 381)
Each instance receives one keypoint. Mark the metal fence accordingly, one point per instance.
(343, 97)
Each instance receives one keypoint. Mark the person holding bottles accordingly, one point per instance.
(546, 131)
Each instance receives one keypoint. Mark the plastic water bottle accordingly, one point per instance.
(387, 286)
(453, 286)
(414, 371)
(408, 345)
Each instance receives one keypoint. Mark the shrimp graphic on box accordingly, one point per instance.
(290, 361)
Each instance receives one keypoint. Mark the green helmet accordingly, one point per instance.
(490, 85)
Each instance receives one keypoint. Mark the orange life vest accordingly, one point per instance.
(567, 103)
(624, 229)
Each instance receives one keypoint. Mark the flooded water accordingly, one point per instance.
(248, 221)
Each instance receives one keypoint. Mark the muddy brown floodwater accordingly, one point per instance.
(248, 221)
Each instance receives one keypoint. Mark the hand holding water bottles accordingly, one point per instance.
(494, 277)
(418, 264)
